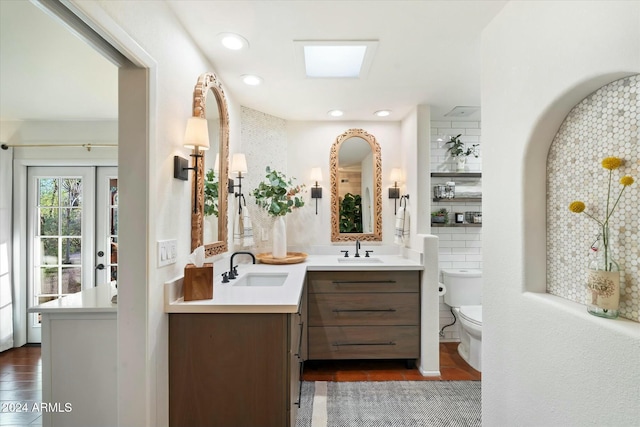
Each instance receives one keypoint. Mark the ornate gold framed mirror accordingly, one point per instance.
(209, 222)
(356, 187)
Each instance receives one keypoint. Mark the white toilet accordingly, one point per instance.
(464, 295)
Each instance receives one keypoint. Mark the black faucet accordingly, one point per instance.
(233, 272)
(357, 255)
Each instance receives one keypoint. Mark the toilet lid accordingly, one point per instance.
(472, 313)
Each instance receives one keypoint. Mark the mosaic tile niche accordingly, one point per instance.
(604, 124)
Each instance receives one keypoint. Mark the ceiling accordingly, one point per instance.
(428, 52)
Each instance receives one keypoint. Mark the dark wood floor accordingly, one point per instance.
(20, 386)
(21, 377)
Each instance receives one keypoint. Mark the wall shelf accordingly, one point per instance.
(456, 174)
(455, 224)
(459, 199)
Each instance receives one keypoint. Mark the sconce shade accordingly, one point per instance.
(396, 174)
(239, 163)
(197, 134)
(316, 174)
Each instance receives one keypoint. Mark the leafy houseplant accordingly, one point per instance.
(210, 194)
(440, 217)
(351, 214)
(603, 280)
(458, 148)
(459, 151)
(278, 196)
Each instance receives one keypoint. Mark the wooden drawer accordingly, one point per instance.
(364, 309)
(363, 281)
(364, 342)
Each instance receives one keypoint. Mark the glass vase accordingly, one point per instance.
(603, 279)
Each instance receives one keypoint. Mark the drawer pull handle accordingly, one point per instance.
(342, 282)
(374, 310)
(363, 343)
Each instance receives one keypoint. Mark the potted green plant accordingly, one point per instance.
(278, 196)
(459, 151)
(210, 194)
(351, 214)
(440, 216)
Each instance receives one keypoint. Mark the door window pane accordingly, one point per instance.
(48, 225)
(71, 192)
(71, 251)
(48, 281)
(71, 222)
(71, 280)
(48, 250)
(48, 192)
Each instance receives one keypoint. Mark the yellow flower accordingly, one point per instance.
(611, 163)
(576, 206)
(626, 180)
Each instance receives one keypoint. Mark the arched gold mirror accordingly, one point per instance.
(209, 222)
(356, 187)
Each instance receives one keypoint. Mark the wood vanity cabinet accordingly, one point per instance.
(235, 369)
(364, 314)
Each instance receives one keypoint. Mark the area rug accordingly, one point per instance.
(390, 404)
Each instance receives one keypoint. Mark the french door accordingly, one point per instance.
(72, 233)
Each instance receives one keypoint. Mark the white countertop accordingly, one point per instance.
(90, 300)
(228, 298)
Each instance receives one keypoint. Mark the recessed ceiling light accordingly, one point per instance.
(251, 80)
(382, 113)
(335, 59)
(335, 113)
(233, 41)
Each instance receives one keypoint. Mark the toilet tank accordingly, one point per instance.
(464, 287)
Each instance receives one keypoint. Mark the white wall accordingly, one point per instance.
(174, 65)
(546, 362)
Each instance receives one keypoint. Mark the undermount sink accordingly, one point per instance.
(262, 279)
(361, 260)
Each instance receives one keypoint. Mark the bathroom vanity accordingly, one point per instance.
(237, 359)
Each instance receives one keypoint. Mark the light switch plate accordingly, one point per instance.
(167, 252)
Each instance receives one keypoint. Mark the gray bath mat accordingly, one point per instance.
(390, 404)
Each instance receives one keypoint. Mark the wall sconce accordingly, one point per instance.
(239, 166)
(196, 137)
(394, 192)
(316, 191)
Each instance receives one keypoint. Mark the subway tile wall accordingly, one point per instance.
(460, 247)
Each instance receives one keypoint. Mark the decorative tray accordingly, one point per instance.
(292, 258)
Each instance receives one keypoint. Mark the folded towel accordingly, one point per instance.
(242, 230)
(401, 233)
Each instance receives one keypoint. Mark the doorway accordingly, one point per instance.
(72, 233)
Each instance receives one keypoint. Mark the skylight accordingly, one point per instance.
(335, 59)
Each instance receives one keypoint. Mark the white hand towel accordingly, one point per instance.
(238, 226)
(401, 233)
(248, 229)
(242, 230)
